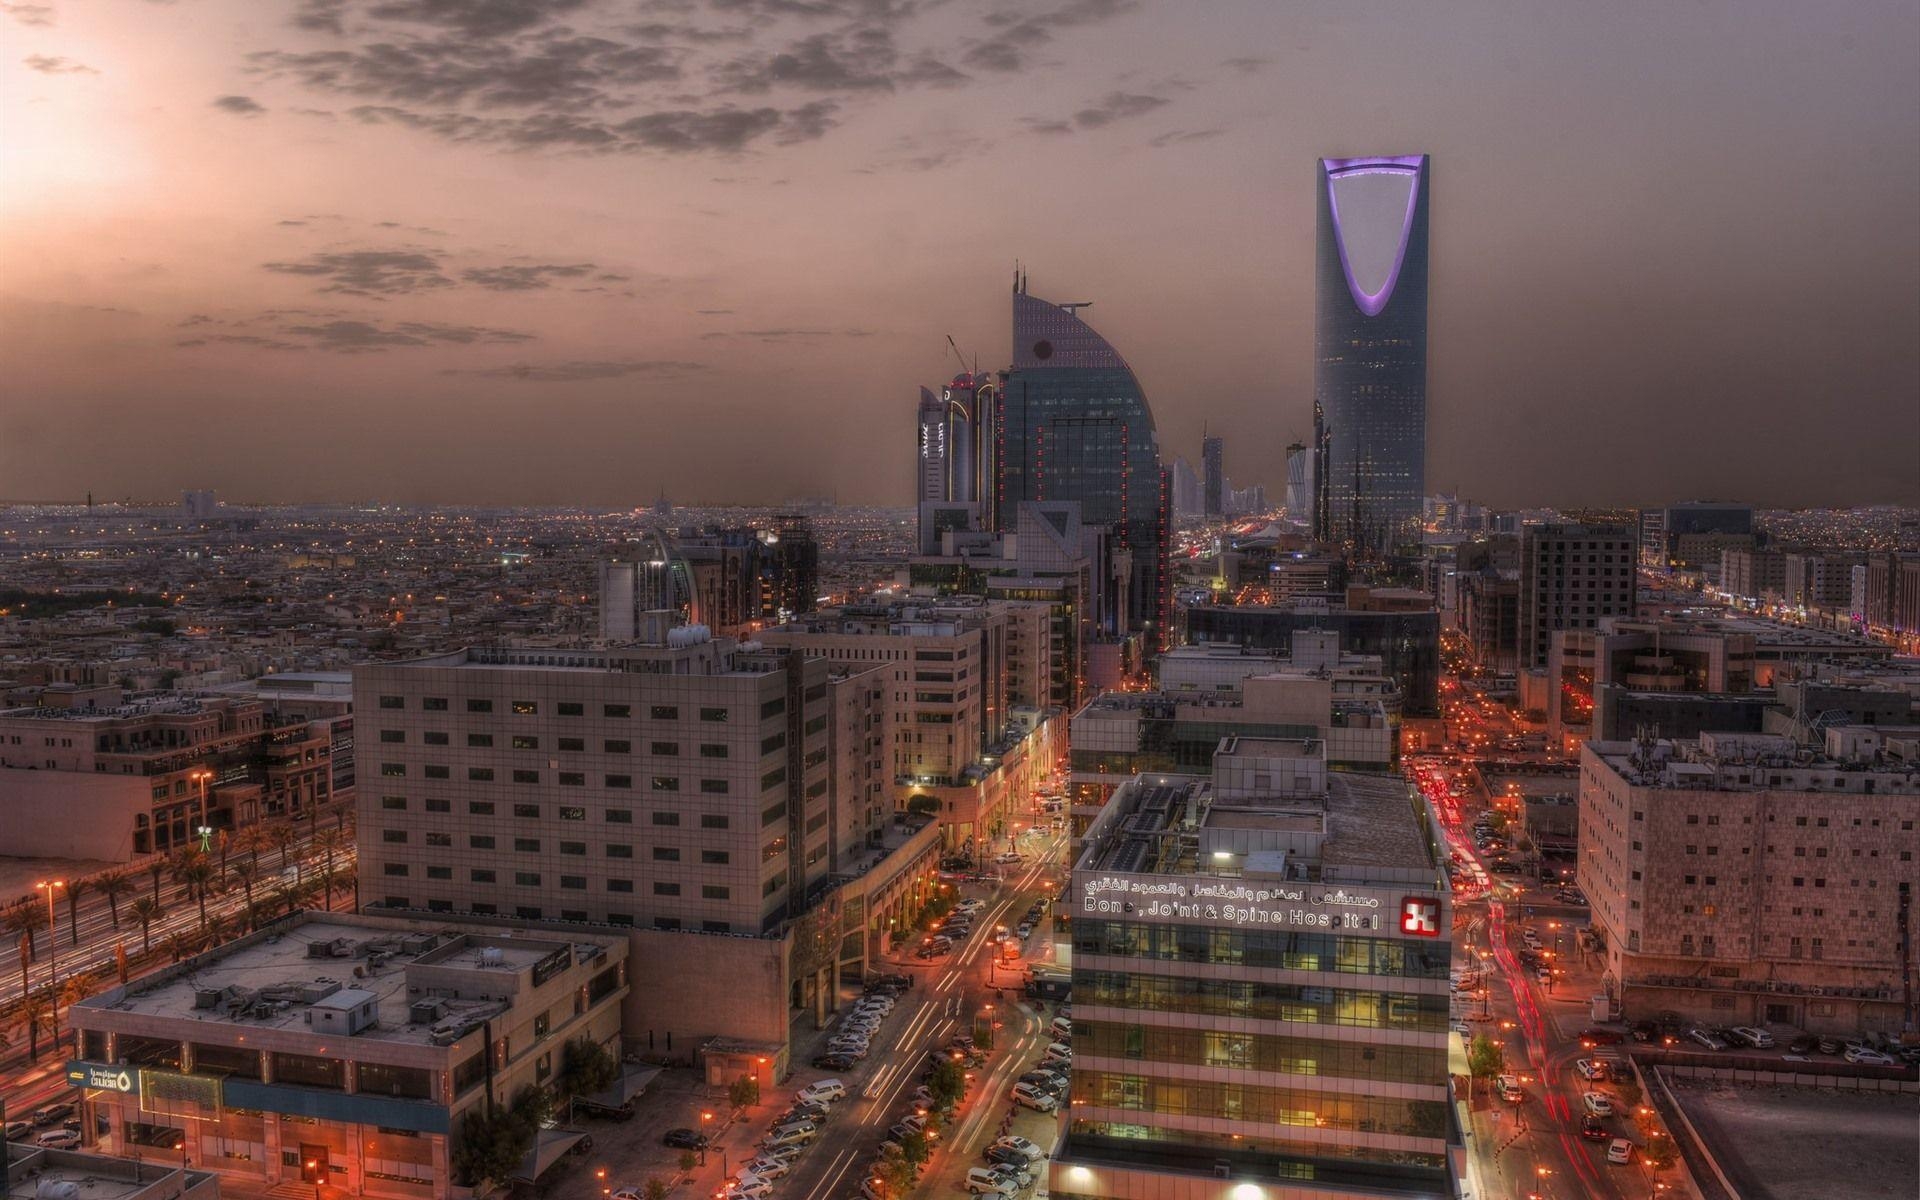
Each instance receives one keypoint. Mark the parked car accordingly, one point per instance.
(19, 1131)
(686, 1139)
(821, 1091)
(1830, 1044)
(1598, 1104)
(1867, 1056)
(52, 1113)
(1589, 1038)
(749, 1187)
(1028, 1096)
(60, 1139)
(997, 1155)
(981, 1179)
(1759, 1039)
(1590, 1069)
(1620, 1152)
(1706, 1038)
(767, 1167)
(834, 1061)
(1509, 1088)
(1061, 1028)
(817, 1113)
(1029, 1149)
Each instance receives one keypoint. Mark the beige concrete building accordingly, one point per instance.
(1741, 879)
(340, 1049)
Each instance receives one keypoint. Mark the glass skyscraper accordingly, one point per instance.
(1370, 350)
(1072, 423)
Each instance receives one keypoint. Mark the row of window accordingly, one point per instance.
(572, 745)
(1298, 1107)
(1297, 1003)
(534, 879)
(1262, 948)
(1261, 1052)
(486, 841)
(657, 783)
(533, 912)
(715, 714)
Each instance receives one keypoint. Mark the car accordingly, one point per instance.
(785, 1154)
(793, 1125)
(628, 1193)
(1028, 1096)
(1591, 1069)
(1462, 1028)
(1867, 1056)
(1830, 1045)
(1598, 1104)
(980, 1180)
(686, 1139)
(1012, 1178)
(970, 905)
(817, 1113)
(822, 1091)
(59, 1139)
(19, 1131)
(1061, 1028)
(1759, 1039)
(766, 1167)
(1043, 1083)
(928, 950)
(52, 1113)
(1594, 1129)
(1509, 1088)
(1802, 1044)
(1620, 1152)
(1589, 1038)
(1003, 1155)
(1025, 1146)
(854, 1050)
(834, 1061)
(749, 1187)
(792, 1135)
(1024, 931)
(1705, 1038)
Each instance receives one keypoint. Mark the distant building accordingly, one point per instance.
(200, 504)
(1260, 963)
(1690, 536)
(1189, 498)
(1370, 349)
(1211, 454)
(1820, 582)
(1571, 576)
(1739, 880)
(1300, 483)
(1752, 576)
(1405, 637)
(1892, 599)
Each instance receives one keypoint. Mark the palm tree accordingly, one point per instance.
(23, 918)
(193, 870)
(176, 945)
(146, 910)
(330, 843)
(223, 839)
(157, 867)
(74, 889)
(288, 895)
(33, 1011)
(283, 836)
(26, 957)
(246, 872)
(252, 840)
(113, 885)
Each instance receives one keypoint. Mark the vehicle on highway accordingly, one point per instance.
(1594, 1129)
(933, 949)
(821, 1091)
(59, 1139)
(1706, 1039)
(1620, 1152)
(1598, 1104)
(685, 1139)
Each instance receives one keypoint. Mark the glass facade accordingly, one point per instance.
(1370, 350)
(1276, 949)
(1073, 424)
(1295, 1003)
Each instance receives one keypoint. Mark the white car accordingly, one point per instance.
(821, 1091)
(1032, 1152)
(1620, 1152)
(1059, 1052)
(60, 1139)
(1861, 1056)
(1759, 1039)
(1591, 1069)
(766, 1167)
(749, 1187)
(1034, 1098)
(970, 906)
(1598, 1104)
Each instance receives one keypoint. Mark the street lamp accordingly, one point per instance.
(206, 833)
(50, 886)
(706, 1118)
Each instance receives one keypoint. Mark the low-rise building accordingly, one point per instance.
(341, 1050)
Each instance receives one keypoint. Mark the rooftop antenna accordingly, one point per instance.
(955, 347)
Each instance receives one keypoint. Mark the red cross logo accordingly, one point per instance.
(1420, 917)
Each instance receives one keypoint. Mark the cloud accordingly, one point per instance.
(361, 337)
(726, 129)
(583, 370)
(370, 272)
(1017, 32)
(320, 16)
(56, 65)
(239, 339)
(29, 14)
(474, 18)
(239, 106)
(852, 60)
(527, 278)
(1177, 136)
(1117, 106)
(1247, 66)
(553, 70)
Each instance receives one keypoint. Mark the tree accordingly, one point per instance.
(490, 1147)
(146, 910)
(743, 1092)
(329, 843)
(983, 1035)
(192, 870)
(587, 1067)
(1659, 1151)
(284, 835)
(113, 885)
(924, 806)
(688, 1161)
(1629, 1092)
(75, 888)
(33, 1012)
(1486, 1058)
(157, 867)
(948, 1084)
(915, 1149)
(896, 1173)
(655, 1188)
(246, 872)
(23, 919)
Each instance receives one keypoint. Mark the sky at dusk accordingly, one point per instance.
(582, 251)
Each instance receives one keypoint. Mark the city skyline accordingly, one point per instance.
(227, 259)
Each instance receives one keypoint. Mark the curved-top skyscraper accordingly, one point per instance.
(1370, 350)
(1073, 424)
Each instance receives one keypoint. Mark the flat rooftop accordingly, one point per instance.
(278, 975)
(95, 1176)
(1372, 823)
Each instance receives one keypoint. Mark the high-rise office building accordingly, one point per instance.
(1572, 577)
(931, 449)
(1300, 483)
(1259, 987)
(1210, 457)
(1072, 423)
(1370, 349)
(1188, 500)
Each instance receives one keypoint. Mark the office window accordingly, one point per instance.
(480, 875)
(480, 841)
(435, 737)
(617, 746)
(713, 821)
(572, 813)
(666, 783)
(480, 808)
(480, 774)
(664, 712)
(713, 787)
(393, 702)
(665, 889)
(713, 891)
(666, 818)
(439, 839)
(439, 872)
(617, 781)
(437, 771)
(573, 744)
(480, 740)
(713, 750)
(525, 708)
(527, 810)
(619, 850)
(574, 848)
(393, 770)
(526, 878)
(713, 714)
(620, 885)
(573, 779)
(393, 802)
(396, 868)
(434, 703)
(572, 708)
(393, 735)
(527, 845)
(574, 883)
(666, 854)
(479, 706)
(619, 816)
(438, 804)
(525, 741)
(616, 710)
(667, 749)
(392, 836)
(526, 777)
(714, 858)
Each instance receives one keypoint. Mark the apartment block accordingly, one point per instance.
(1745, 879)
(1571, 576)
